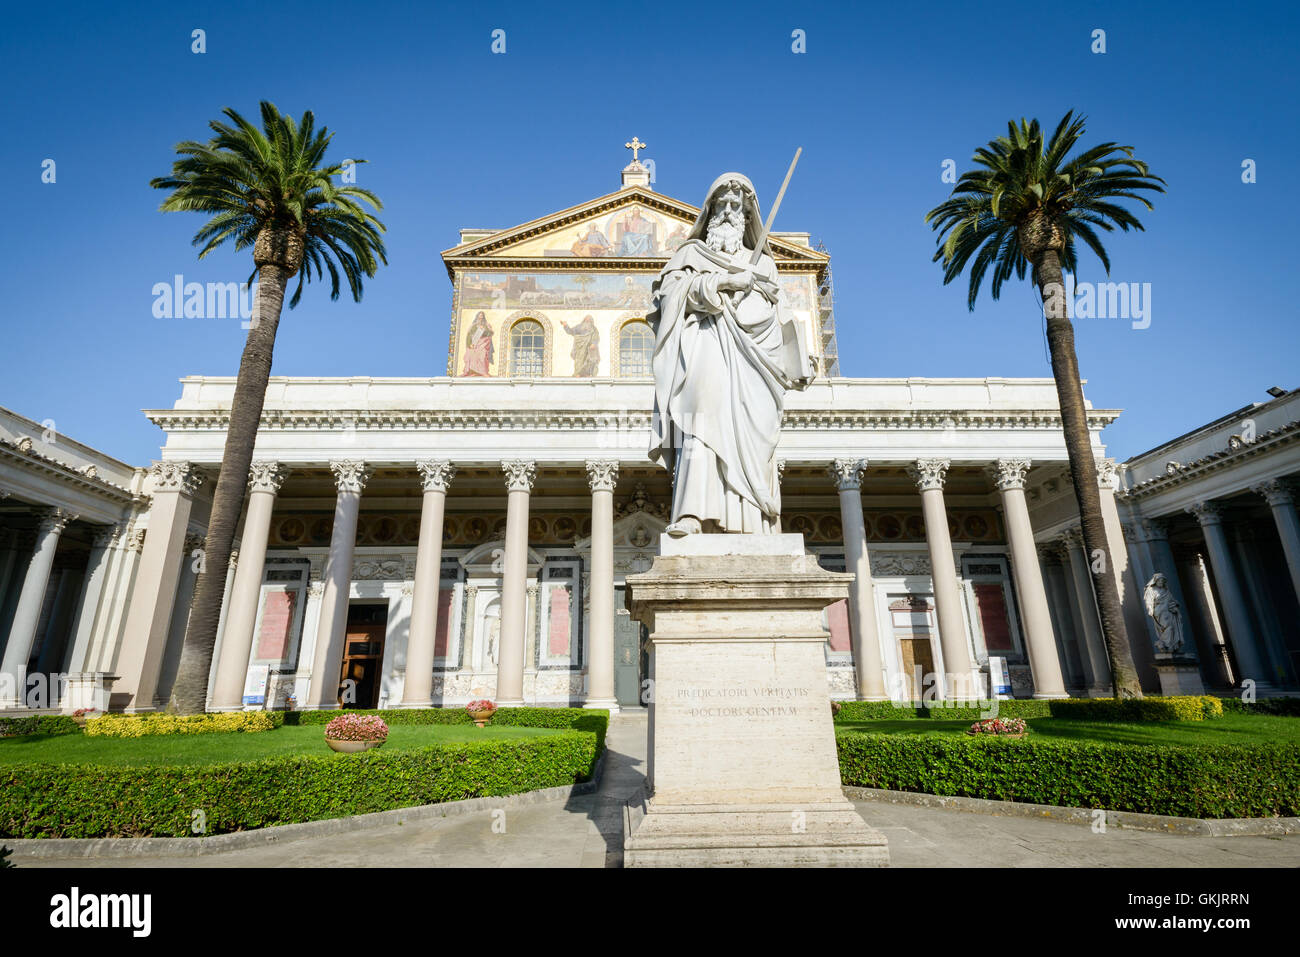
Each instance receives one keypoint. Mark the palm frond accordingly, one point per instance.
(249, 179)
(1026, 177)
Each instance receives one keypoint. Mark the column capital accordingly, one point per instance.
(928, 473)
(266, 477)
(1207, 513)
(1009, 474)
(107, 536)
(135, 539)
(520, 475)
(1155, 529)
(182, 477)
(1275, 492)
(847, 473)
(1072, 537)
(1107, 474)
(435, 474)
(350, 475)
(602, 474)
(54, 520)
(1051, 553)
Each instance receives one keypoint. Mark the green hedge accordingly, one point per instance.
(1283, 707)
(39, 724)
(45, 800)
(1211, 781)
(1172, 708)
(145, 725)
(1180, 708)
(390, 715)
(888, 711)
(595, 720)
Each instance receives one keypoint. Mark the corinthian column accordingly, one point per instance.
(1009, 476)
(520, 476)
(92, 594)
(867, 666)
(1281, 500)
(1250, 666)
(1092, 645)
(350, 478)
(149, 614)
(929, 476)
(22, 633)
(264, 481)
(417, 692)
(602, 476)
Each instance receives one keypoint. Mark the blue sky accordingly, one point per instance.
(457, 136)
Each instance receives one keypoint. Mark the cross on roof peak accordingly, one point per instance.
(635, 146)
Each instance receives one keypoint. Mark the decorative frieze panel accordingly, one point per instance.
(901, 564)
(640, 501)
(402, 529)
(373, 568)
(896, 525)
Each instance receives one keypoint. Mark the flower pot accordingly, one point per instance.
(481, 718)
(351, 747)
(80, 720)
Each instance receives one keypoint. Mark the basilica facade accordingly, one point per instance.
(409, 542)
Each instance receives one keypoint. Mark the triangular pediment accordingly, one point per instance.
(635, 225)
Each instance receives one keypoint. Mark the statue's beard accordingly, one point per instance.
(726, 231)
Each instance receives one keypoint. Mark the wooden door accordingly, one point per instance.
(363, 657)
(913, 620)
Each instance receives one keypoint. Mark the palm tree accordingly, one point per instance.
(1023, 207)
(270, 189)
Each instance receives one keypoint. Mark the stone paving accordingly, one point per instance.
(587, 831)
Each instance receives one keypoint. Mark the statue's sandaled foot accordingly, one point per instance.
(686, 525)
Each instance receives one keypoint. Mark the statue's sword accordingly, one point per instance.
(767, 226)
(795, 352)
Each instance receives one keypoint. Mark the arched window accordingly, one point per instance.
(636, 346)
(527, 348)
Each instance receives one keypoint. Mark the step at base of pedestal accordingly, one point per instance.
(827, 834)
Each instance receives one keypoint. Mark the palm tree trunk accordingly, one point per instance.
(1083, 471)
(190, 692)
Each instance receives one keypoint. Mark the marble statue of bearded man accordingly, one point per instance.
(726, 351)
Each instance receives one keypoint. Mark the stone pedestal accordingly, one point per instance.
(742, 762)
(1179, 675)
(87, 689)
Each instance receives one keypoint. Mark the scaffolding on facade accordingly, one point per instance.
(826, 319)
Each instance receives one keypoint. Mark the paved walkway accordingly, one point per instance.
(587, 831)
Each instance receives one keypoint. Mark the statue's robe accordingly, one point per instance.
(478, 351)
(586, 347)
(722, 364)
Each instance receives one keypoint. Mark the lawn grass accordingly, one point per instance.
(200, 749)
(1244, 729)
